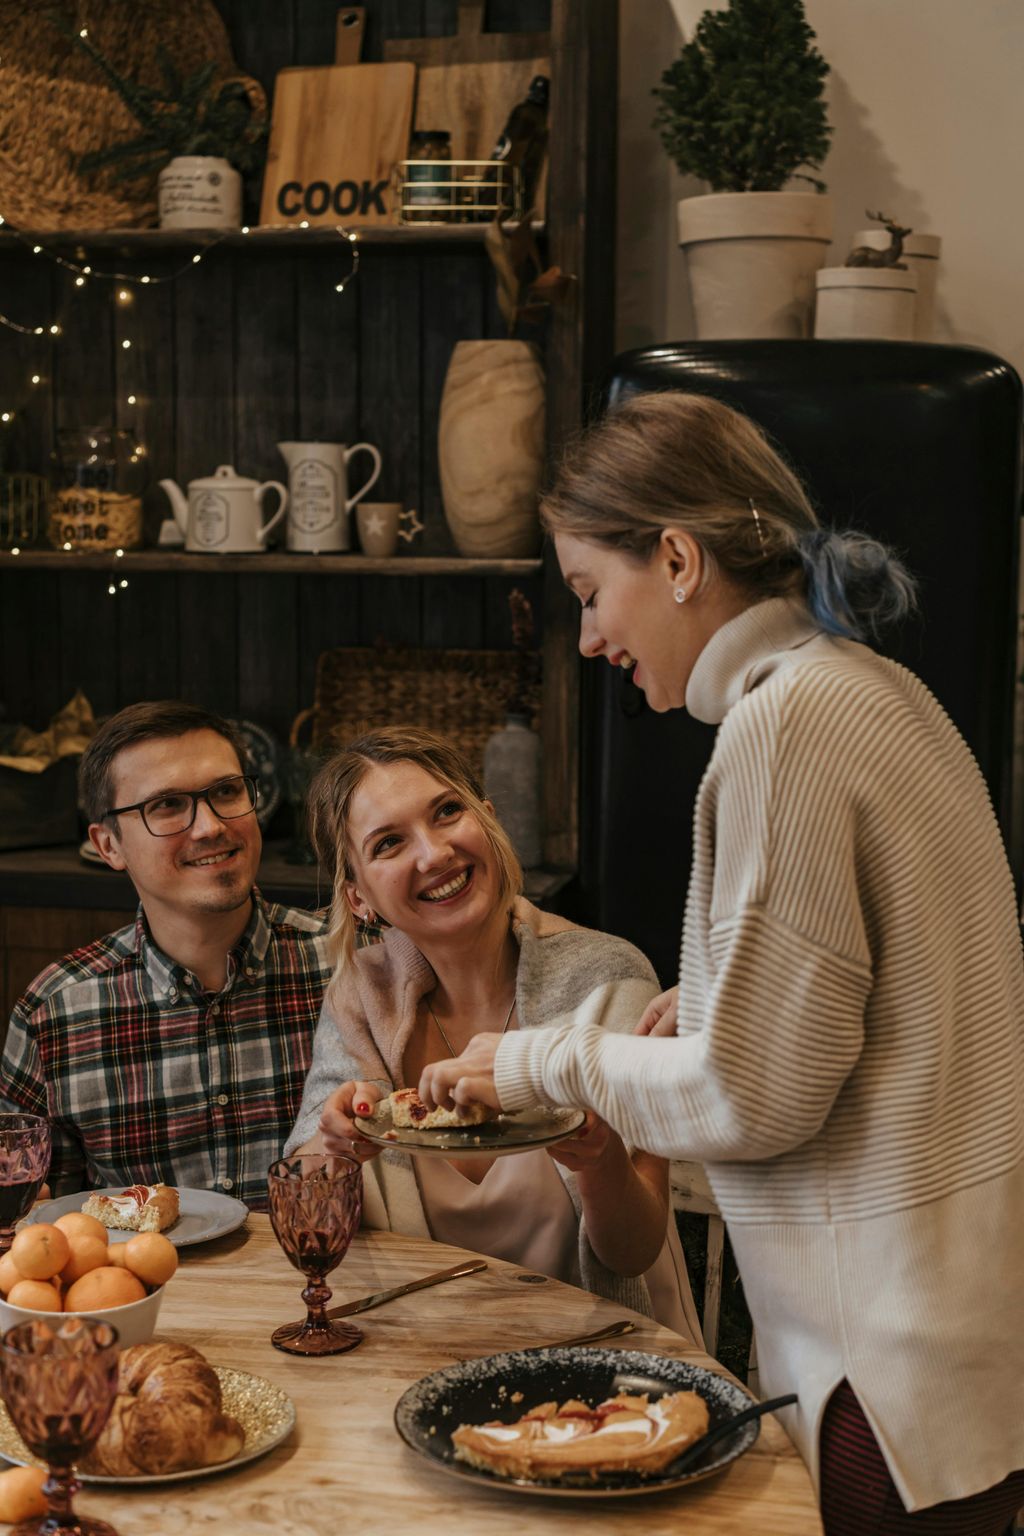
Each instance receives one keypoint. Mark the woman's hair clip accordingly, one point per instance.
(757, 522)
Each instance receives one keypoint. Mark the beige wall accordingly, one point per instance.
(927, 108)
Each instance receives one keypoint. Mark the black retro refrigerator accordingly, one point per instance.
(919, 445)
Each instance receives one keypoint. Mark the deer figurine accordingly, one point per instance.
(868, 256)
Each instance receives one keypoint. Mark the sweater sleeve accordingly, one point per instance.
(758, 1079)
(343, 1051)
(776, 971)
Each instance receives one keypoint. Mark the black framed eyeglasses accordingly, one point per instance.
(163, 815)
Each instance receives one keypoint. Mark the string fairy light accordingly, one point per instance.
(124, 298)
(127, 280)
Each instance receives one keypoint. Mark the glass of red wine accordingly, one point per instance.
(59, 1384)
(315, 1206)
(24, 1162)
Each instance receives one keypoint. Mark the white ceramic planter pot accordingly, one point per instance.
(921, 255)
(870, 303)
(199, 192)
(491, 447)
(751, 259)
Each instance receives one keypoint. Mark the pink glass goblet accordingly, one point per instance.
(315, 1206)
(24, 1162)
(59, 1384)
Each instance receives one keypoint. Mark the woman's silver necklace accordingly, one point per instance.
(444, 1037)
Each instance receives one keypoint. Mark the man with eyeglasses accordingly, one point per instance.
(174, 1050)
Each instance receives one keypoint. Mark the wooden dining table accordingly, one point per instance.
(344, 1469)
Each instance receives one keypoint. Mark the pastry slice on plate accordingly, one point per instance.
(409, 1113)
(140, 1208)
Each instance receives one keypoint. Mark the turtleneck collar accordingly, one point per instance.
(739, 655)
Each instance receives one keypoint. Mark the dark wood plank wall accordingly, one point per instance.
(247, 349)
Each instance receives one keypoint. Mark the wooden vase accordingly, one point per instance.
(491, 448)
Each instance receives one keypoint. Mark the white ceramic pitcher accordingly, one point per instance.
(319, 503)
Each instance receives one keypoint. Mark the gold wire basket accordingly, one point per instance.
(22, 509)
(456, 191)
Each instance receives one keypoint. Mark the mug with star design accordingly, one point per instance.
(380, 527)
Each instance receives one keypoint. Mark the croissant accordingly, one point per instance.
(167, 1415)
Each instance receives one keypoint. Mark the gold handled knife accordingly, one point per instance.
(349, 1308)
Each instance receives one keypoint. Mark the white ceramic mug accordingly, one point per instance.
(319, 503)
(380, 527)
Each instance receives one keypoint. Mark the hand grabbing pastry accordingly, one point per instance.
(167, 1415)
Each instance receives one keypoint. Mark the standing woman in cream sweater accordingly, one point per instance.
(845, 1048)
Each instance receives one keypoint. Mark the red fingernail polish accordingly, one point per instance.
(364, 1109)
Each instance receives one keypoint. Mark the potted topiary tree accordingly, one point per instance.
(742, 108)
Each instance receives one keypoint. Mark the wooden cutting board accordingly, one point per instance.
(336, 134)
(469, 82)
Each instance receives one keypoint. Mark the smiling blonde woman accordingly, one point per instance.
(413, 848)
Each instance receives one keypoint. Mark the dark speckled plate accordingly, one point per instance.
(476, 1391)
(521, 1132)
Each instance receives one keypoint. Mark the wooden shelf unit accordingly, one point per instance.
(255, 346)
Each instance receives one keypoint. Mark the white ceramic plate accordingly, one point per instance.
(205, 1213)
(265, 1412)
(521, 1132)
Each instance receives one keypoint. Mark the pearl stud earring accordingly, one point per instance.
(679, 595)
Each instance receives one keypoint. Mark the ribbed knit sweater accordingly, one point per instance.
(850, 1061)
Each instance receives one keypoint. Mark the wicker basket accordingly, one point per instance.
(463, 695)
(55, 105)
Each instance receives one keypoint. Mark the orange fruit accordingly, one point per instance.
(103, 1288)
(87, 1252)
(21, 1494)
(35, 1296)
(115, 1255)
(152, 1257)
(10, 1274)
(79, 1222)
(40, 1251)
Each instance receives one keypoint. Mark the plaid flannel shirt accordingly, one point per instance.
(145, 1077)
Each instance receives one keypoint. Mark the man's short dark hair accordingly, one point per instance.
(142, 722)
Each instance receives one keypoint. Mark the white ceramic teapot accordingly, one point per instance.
(224, 512)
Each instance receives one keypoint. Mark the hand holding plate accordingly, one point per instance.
(337, 1123)
(659, 1017)
(586, 1149)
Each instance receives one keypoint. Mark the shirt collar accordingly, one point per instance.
(247, 958)
(740, 655)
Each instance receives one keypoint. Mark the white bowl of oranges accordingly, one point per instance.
(70, 1268)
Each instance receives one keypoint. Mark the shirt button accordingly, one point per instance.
(250, 970)
(214, 1010)
(222, 1098)
(227, 1183)
(172, 993)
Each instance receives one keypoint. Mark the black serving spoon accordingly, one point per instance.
(685, 1460)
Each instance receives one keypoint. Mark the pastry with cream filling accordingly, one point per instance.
(623, 1434)
(141, 1208)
